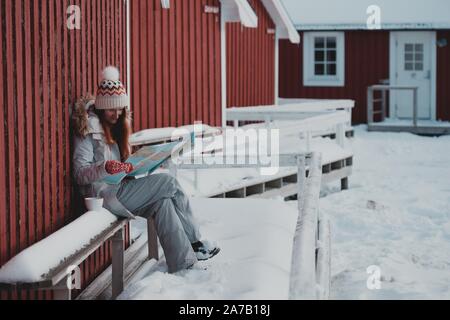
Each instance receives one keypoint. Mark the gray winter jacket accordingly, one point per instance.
(89, 158)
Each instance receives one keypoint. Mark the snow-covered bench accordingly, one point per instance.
(51, 264)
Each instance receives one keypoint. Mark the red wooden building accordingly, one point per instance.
(181, 64)
(203, 56)
(45, 67)
(341, 60)
(253, 53)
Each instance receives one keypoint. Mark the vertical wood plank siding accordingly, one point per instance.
(366, 63)
(174, 59)
(251, 61)
(45, 67)
(443, 77)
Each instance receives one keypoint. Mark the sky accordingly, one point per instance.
(354, 11)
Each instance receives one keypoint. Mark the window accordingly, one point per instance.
(323, 59)
(413, 56)
(325, 56)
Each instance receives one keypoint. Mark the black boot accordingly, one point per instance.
(205, 250)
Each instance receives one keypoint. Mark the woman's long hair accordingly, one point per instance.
(120, 133)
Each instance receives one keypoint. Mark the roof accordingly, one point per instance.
(383, 26)
(239, 11)
(281, 18)
(354, 14)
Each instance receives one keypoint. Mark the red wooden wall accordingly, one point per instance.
(366, 63)
(443, 77)
(45, 66)
(175, 63)
(251, 61)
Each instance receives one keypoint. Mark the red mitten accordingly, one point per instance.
(114, 167)
(128, 167)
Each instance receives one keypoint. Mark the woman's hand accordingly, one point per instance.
(114, 167)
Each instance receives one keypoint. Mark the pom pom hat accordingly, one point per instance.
(111, 94)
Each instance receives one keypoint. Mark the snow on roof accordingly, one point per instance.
(239, 11)
(383, 26)
(352, 14)
(282, 20)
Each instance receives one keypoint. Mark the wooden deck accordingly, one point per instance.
(427, 128)
(285, 184)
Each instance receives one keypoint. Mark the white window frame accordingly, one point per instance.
(312, 80)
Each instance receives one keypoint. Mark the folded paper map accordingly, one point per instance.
(147, 160)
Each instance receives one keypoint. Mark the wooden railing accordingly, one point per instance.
(371, 112)
(308, 121)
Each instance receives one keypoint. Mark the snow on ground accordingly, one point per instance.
(396, 216)
(254, 262)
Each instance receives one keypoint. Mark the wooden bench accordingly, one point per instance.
(60, 276)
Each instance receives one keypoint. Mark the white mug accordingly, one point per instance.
(93, 204)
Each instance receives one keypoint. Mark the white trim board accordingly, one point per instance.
(127, 4)
(223, 62)
(277, 66)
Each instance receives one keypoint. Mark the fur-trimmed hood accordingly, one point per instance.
(84, 119)
(81, 115)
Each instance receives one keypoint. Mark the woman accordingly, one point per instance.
(101, 148)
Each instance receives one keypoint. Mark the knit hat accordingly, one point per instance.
(111, 94)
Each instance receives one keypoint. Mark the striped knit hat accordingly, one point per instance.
(111, 94)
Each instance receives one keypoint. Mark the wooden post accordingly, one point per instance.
(415, 103)
(308, 140)
(303, 266)
(369, 105)
(152, 239)
(117, 264)
(301, 182)
(340, 135)
(324, 260)
(384, 105)
(349, 111)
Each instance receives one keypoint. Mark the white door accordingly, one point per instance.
(412, 56)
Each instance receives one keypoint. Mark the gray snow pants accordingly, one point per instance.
(161, 196)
